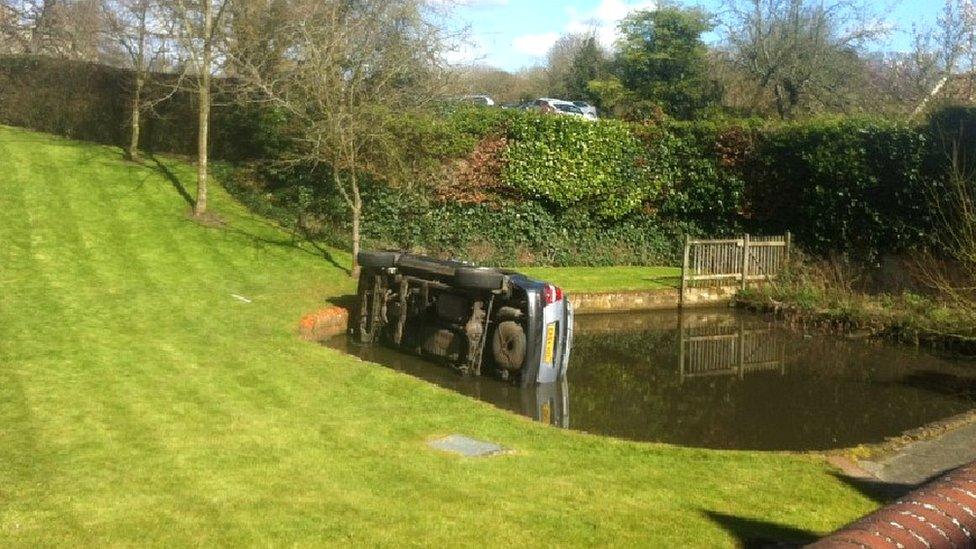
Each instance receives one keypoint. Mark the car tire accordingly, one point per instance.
(426, 266)
(479, 278)
(377, 260)
(369, 322)
(508, 346)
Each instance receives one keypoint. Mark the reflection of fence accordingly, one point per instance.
(730, 351)
(733, 262)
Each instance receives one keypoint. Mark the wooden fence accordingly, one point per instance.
(733, 262)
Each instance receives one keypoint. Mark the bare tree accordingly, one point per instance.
(951, 45)
(200, 30)
(352, 72)
(800, 51)
(559, 62)
(11, 30)
(58, 28)
(143, 35)
(952, 271)
(899, 82)
(500, 85)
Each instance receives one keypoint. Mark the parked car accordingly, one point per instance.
(557, 106)
(483, 100)
(589, 111)
(478, 320)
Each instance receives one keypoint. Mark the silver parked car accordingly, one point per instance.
(478, 320)
(482, 100)
(589, 111)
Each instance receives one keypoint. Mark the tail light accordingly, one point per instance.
(553, 294)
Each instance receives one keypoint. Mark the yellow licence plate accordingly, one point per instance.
(550, 342)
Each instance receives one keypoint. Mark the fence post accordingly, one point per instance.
(684, 270)
(789, 245)
(745, 262)
(742, 351)
(681, 343)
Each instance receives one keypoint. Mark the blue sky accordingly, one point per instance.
(513, 34)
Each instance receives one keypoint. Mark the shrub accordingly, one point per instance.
(573, 163)
(842, 185)
(700, 187)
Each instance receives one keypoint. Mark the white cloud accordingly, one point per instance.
(603, 20)
(536, 45)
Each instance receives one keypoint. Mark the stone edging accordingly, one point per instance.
(895, 444)
(332, 321)
(650, 300)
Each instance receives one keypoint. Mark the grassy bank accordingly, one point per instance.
(805, 298)
(143, 402)
(608, 279)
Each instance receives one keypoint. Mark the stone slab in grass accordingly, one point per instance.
(467, 447)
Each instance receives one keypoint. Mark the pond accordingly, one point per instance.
(723, 379)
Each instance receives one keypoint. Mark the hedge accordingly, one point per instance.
(857, 184)
(494, 184)
(568, 161)
(90, 102)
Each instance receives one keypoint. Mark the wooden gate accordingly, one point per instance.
(733, 262)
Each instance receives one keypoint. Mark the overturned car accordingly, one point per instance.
(478, 320)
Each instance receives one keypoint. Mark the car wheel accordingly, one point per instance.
(377, 260)
(479, 278)
(369, 321)
(508, 346)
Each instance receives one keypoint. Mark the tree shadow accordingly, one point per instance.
(295, 242)
(752, 533)
(173, 180)
(347, 302)
(878, 490)
(757, 534)
(318, 250)
(666, 281)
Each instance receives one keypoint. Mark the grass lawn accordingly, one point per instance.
(609, 279)
(142, 403)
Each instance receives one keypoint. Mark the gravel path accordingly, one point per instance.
(920, 461)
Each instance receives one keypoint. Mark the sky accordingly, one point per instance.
(513, 34)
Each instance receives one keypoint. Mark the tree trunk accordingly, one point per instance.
(40, 30)
(780, 101)
(203, 136)
(357, 211)
(203, 132)
(931, 95)
(132, 153)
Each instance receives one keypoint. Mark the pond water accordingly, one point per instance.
(723, 379)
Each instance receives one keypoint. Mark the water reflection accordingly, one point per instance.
(722, 379)
(725, 346)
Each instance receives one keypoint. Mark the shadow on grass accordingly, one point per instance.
(752, 533)
(756, 534)
(666, 281)
(879, 491)
(347, 302)
(296, 241)
(173, 180)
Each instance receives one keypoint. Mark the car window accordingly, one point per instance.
(566, 107)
